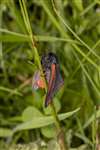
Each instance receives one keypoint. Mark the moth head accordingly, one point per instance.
(49, 59)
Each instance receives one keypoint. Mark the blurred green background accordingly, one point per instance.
(71, 29)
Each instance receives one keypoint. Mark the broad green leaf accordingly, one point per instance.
(31, 112)
(49, 131)
(38, 122)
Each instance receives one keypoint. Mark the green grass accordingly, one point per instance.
(71, 29)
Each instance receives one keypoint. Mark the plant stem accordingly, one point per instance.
(60, 133)
(55, 116)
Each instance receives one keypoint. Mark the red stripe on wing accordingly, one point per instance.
(51, 85)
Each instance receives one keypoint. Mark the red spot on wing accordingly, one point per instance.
(37, 81)
(41, 83)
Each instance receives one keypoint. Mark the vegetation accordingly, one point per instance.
(70, 29)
